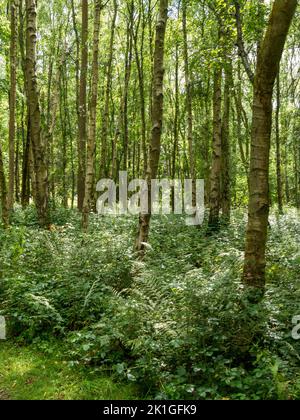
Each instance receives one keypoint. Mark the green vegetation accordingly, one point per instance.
(173, 324)
(141, 93)
(41, 373)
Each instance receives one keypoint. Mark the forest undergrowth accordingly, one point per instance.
(174, 324)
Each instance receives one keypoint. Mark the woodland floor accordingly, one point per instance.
(28, 373)
(87, 320)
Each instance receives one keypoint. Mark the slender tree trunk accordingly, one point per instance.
(77, 69)
(286, 176)
(38, 146)
(151, 54)
(175, 123)
(32, 173)
(51, 112)
(72, 157)
(77, 40)
(113, 171)
(233, 163)
(3, 191)
(189, 105)
(55, 95)
(238, 106)
(17, 171)
(266, 72)
(82, 119)
(128, 65)
(206, 139)
(64, 129)
(14, 8)
(157, 119)
(296, 154)
(91, 145)
(105, 121)
(240, 42)
(139, 56)
(25, 192)
(215, 177)
(226, 151)
(278, 150)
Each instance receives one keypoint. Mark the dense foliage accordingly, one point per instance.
(154, 90)
(174, 323)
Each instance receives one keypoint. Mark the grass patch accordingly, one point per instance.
(27, 373)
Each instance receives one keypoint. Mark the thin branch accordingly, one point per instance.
(240, 43)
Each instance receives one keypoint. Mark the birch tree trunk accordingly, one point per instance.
(128, 66)
(278, 149)
(25, 190)
(266, 72)
(189, 104)
(3, 191)
(215, 177)
(14, 8)
(226, 151)
(91, 144)
(105, 120)
(175, 122)
(139, 57)
(39, 149)
(82, 117)
(157, 119)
